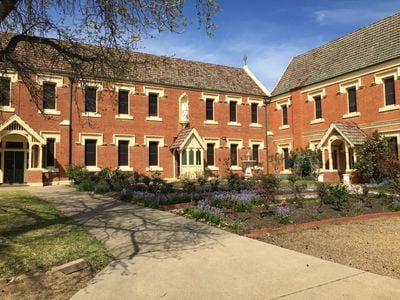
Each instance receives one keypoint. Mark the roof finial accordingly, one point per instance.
(245, 60)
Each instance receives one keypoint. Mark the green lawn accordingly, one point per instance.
(40, 237)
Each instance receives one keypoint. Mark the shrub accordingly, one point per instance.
(234, 182)
(395, 185)
(102, 187)
(86, 186)
(376, 160)
(77, 174)
(304, 162)
(282, 214)
(336, 195)
(297, 189)
(242, 206)
(214, 184)
(267, 188)
(188, 185)
(395, 205)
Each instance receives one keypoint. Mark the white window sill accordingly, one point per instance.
(317, 121)
(255, 125)
(270, 133)
(91, 114)
(154, 119)
(7, 108)
(50, 112)
(154, 169)
(235, 168)
(210, 122)
(51, 170)
(286, 172)
(92, 168)
(389, 108)
(234, 124)
(284, 127)
(124, 117)
(352, 115)
(65, 123)
(212, 168)
(125, 168)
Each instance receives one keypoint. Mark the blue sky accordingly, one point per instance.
(269, 33)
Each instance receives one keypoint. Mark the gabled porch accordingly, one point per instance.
(338, 151)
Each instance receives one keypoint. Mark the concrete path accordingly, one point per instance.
(162, 256)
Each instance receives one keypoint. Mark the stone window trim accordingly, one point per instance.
(239, 143)
(205, 96)
(99, 142)
(13, 76)
(259, 102)
(256, 142)
(56, 136)
(99, 87)
(343, 87)
(58, 81)
(237, 99)
(379, 79)
(280, 148)
(160, 93)
(217, 145)
(131, 139)
(131, 91)
(160, 141)
(311, 95)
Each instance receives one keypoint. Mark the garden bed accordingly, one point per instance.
(371, 245)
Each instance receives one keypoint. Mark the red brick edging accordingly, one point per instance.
(291, 227)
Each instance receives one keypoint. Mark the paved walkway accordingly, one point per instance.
(160, 255)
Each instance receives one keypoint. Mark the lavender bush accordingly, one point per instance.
(282, 214)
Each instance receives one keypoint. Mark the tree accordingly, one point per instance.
(86, 37)
(304, 162)
(376, 160)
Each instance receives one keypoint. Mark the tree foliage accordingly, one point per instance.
(376, 160)
(304, 162)
(86, 37)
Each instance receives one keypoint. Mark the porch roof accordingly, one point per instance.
(349, 131)
(183, 137)
(15, 125)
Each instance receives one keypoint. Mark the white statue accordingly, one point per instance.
(185, 111)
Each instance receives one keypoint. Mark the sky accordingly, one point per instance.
(268, 32)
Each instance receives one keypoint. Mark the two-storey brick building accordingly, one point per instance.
(331, 97)
(174, 116)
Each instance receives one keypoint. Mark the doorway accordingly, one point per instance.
(14, 163)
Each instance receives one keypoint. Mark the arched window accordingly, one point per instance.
(191, 157)
(184, 157)
(198, 157)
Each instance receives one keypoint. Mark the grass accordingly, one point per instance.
(40, 237)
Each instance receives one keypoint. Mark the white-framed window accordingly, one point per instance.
(91, 141)
(233, 102)
(256, 147)
(91, 91)
(388, 81)
(124, 93)
(350, 90)
(255, 105)
(393, 139)
(234, 146)
(284, 151)
(50, 85)
(124, 142)
(212, 145)
(317, 98)
(209, 108)
(283, 105)
(154, 94)
(153, 144)
(50, 151)
(6, 81)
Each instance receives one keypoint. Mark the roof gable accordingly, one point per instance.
(16, 125)
(350, 132)
(370, 45)
(184, 136)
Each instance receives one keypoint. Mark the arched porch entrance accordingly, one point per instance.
(338, 151)
(20, 152)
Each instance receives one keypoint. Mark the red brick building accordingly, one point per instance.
(331, 97)
(174, 116)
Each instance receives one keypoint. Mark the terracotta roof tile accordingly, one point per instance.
(182, 135)
(370, 45)
(352, 132)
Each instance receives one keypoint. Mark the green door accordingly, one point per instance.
(13, 167)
